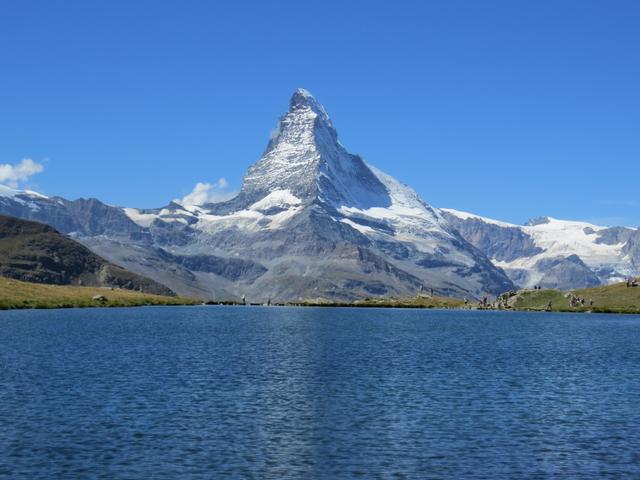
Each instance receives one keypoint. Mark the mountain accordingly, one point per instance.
(311, 220)
(553, 253)
(34, 252)
(83, 217)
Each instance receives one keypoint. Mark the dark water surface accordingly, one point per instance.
(214, 392)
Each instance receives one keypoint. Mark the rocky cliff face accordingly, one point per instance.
(502, 243)
(311, 220)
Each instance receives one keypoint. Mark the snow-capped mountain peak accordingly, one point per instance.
(304, 157)
(302, 99)
(311, 220)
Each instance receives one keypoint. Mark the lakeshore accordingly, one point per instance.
(15, 294)
(617, 298)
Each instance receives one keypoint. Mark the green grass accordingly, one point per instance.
(17, 294)
(617, 298)
(613, 298)
(411, 302)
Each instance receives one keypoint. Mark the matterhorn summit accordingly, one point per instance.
(304, 157)
(310, 221)
(325, 224)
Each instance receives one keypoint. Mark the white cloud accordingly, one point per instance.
(204, 193)
(12, 175)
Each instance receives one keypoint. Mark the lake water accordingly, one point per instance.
(235, 392)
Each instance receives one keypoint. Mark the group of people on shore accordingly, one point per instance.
(500, 302)
(576, 301)
(632, 282)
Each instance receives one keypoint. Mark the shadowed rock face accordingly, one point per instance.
(614, 235)
(571, 272)
(538, 221)
(35, 252)
(632, 249)
(496, 242)
(311, 220)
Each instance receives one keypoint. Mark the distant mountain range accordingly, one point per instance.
(553, 253)
(314, 221)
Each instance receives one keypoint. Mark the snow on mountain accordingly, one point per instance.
(9, 192)
(467, 216)
(276, 199)
(23, 197)
(140, 218)
(603, 252)
(412, 220)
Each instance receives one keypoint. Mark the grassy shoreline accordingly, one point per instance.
(414, 302)
(618, 298)
(15, 294)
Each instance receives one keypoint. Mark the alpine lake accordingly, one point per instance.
(328, 393)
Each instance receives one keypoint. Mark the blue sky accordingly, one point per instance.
(510, 109)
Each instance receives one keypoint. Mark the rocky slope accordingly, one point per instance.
(34, 252)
